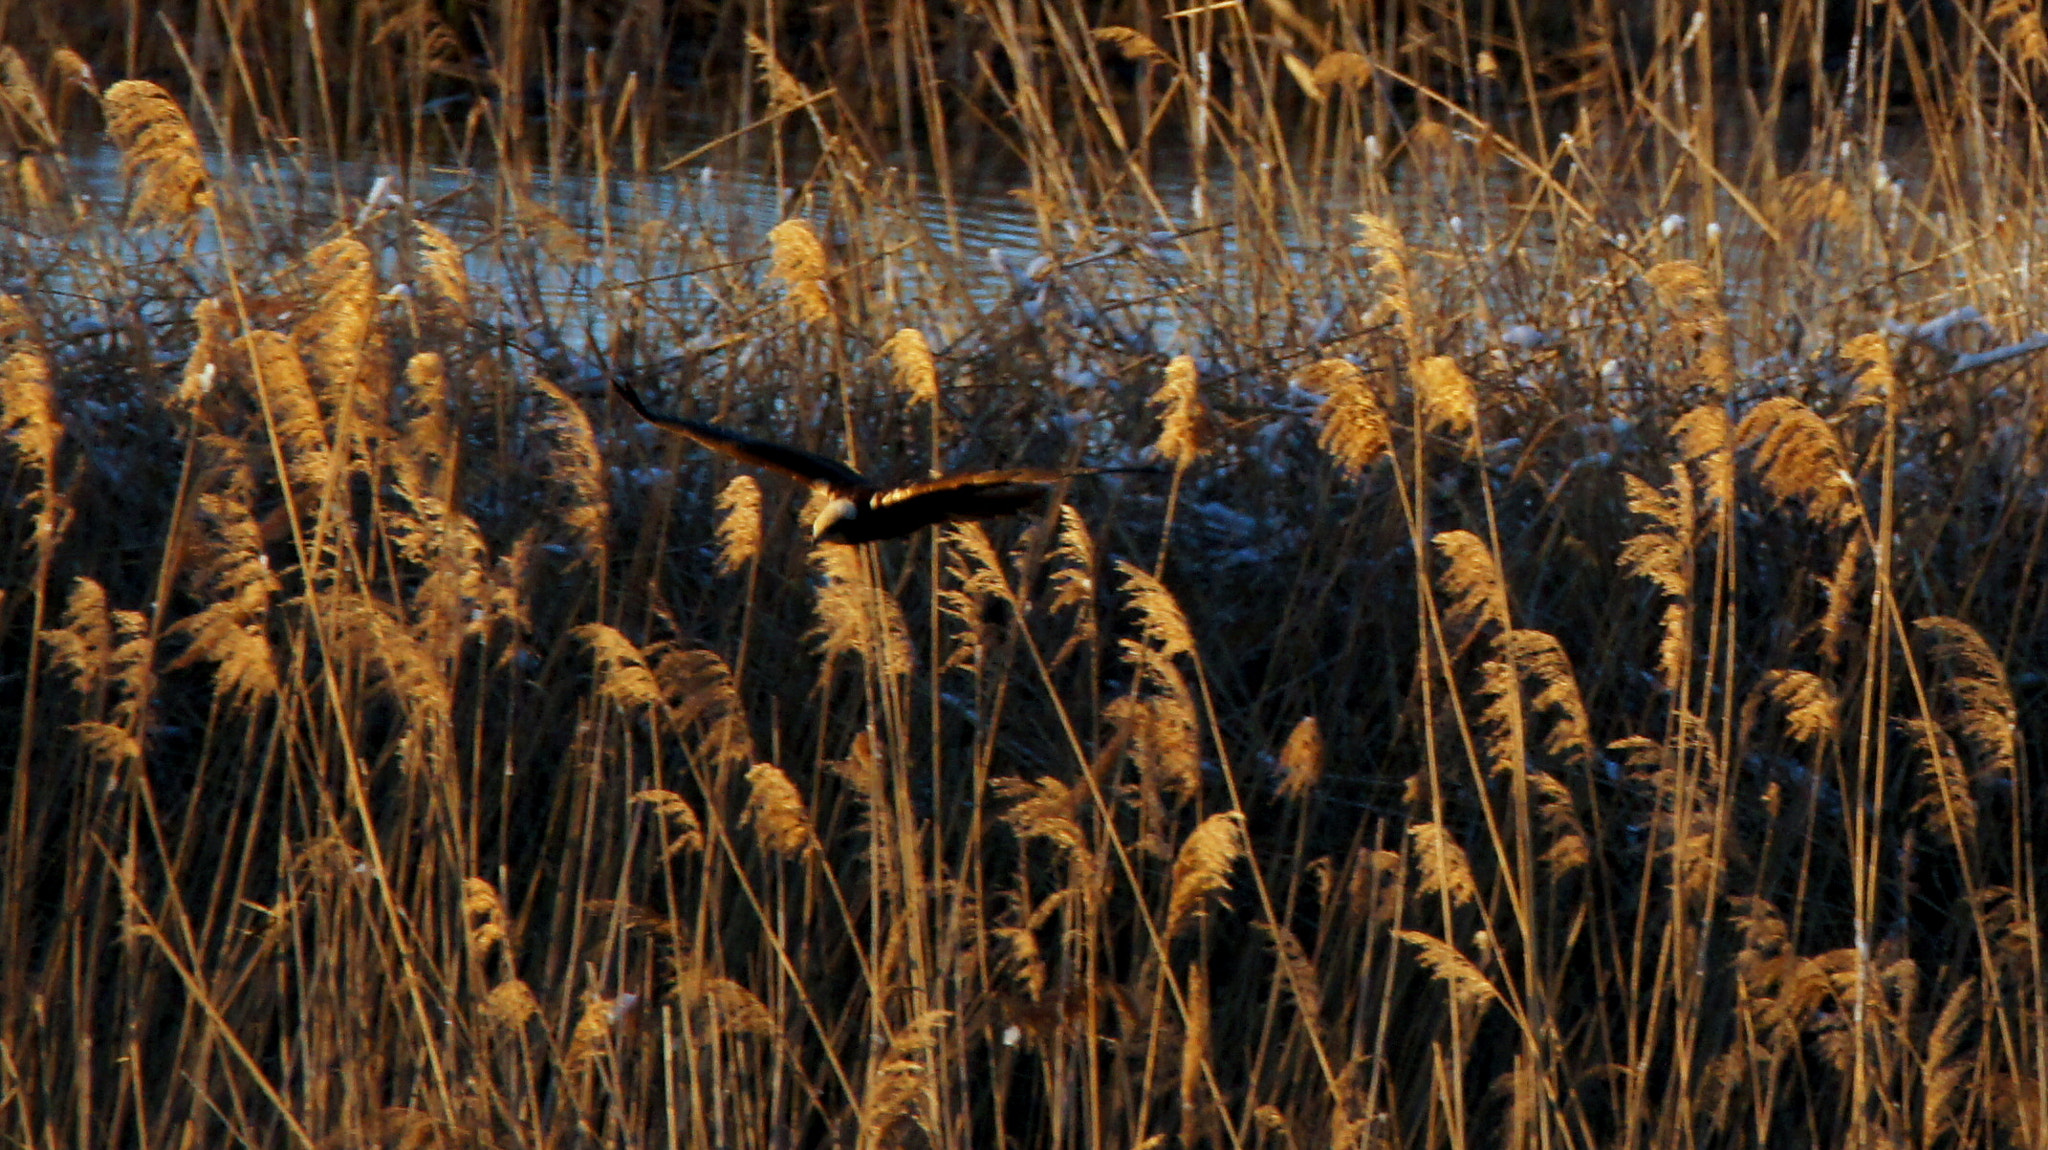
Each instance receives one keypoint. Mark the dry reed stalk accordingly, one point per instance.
(798, 260)
(739, 525)
(1355, 430)
(776, 811)
(576, 463)
(1194, 1046)
(686, 831)
(1201, 867)
(1184, 426)
(160, 153)
(917, 373)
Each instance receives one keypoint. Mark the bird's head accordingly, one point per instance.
(833, 518)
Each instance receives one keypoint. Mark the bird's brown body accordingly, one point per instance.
(861, 510)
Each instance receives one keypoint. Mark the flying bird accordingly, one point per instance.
(861, 510)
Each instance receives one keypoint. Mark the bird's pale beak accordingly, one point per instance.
(836, 512)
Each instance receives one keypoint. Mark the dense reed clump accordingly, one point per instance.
(1557, 659)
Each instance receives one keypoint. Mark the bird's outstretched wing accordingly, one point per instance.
(791, 461)
(901, 510)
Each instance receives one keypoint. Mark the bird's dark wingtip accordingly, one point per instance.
(632, 398)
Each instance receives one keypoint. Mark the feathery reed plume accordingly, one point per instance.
(594, 1027)
(798, 260)
(1377, 886)
(1811, 709)
(1021, 960)
(1799, 457)
(776, 811)
(1707, 440)
(269, 362)
(1292, 962)
(1569, 847)
(1301, 760)
(209, 348)
(442, 271)
(1841, 587)
(1044, 808)
(975, 574)
(621, 669)
(1202, 867)
(1441, 864)
(574, 459)
(1073, 581)
(1159, 613)
(1801, 199)
(24, 97)
(1468, 985)
(1132, 44)
(232, 632)
(510, 1004)
(74, 70)
(1981, 696)
(160, 153)
(330, 338)
(1184, 431)
(917, 373)
(1390, 267)
(28, 409)
(427, 439)
(1194, 1047)
(1471, 578)
(686, 833)
(1343, 68)
(1355, 430)
(785, 91)
(856, 614)
(1878, 377)
(1541, 658)
(99, 648)
(698, 687)
(1686, 289)
(1446, 395)
(489, 926)
(1662, 554)
(559, 238)
(725, 1005)
(900, 1082)
(1165, 738)
(739, 528)
(1945, 1073)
